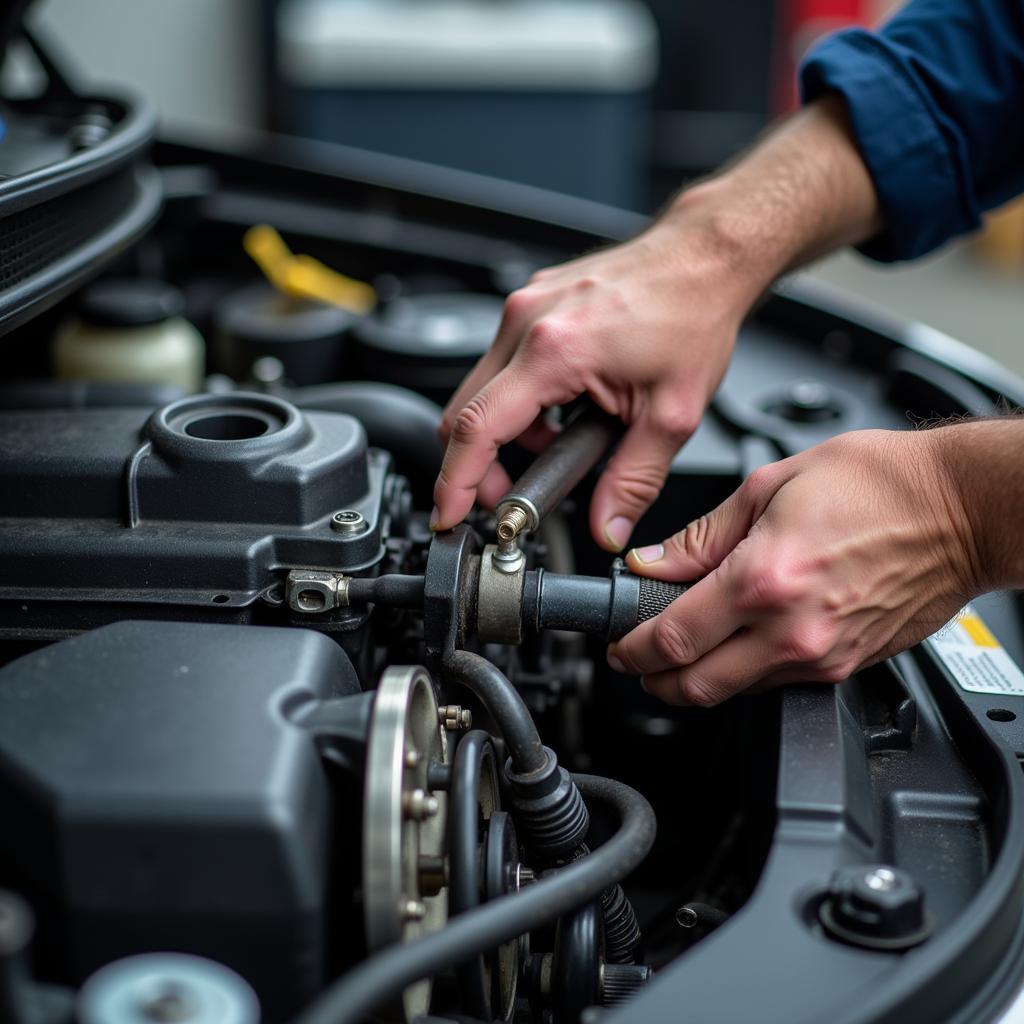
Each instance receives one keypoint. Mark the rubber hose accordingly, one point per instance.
(396, 419)
(375, 981)
(502, 700)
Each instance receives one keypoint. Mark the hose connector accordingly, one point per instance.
(550, 814)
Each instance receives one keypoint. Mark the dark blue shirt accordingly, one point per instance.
(936, 98)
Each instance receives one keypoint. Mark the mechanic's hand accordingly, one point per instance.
(646, 328)
(817, 566)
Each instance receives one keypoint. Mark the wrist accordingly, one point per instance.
(984, 479)
(711, 222)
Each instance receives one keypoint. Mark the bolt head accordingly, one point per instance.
(349, 521)
(875, 904)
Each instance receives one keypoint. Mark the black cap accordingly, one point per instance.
(129, 302)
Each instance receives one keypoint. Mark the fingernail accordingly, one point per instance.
(435, 518)
(643, 685)
(617, 531)
(651, 553)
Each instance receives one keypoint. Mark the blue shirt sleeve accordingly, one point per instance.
(936, 100)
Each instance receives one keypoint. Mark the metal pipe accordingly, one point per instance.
(555, 472)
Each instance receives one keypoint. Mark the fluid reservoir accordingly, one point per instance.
(131, 330)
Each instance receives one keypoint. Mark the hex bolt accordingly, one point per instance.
(412, 910)
(348, 520)
(455, 717)
(876, 906)
(419, 805)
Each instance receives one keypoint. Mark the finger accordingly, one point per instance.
(631, 481)
(702, 545)
(741, 662)
(539, 434)
(691, 626)
(520, 310)
(493, 417)
(494, 486)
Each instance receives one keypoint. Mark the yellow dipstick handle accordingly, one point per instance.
(302, 277)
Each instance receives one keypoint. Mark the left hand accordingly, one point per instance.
(816, 566)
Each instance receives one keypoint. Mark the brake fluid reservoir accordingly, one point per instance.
(131, 330)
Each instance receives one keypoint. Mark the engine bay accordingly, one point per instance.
(271, 749)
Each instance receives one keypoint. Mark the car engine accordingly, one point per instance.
(272, 750)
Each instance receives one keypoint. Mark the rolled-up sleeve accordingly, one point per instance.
(936, 100)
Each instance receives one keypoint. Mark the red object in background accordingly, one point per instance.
(799, 24)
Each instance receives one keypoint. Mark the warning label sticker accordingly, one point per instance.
(974, 657)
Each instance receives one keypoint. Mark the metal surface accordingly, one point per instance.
(499, 609)
(170, 987)
(556, 471)
(402, 821)
(348, 520)
(309, 592)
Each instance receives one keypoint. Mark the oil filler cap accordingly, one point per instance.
(875, 906)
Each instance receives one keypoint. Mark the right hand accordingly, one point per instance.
(645, 328)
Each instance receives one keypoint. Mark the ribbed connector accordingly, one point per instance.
(550, 815)
(621, 930)
(620, 981)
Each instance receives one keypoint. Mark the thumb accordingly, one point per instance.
(702, 545)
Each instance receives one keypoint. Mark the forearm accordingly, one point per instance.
(985, 462)
(799, 193)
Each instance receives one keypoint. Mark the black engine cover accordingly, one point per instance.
(165, 796)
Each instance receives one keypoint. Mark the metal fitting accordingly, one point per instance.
(455, 717)
(512, 520)
(499, 609)
(310, 593)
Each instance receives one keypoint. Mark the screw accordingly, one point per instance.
(348, 520)
(454, 717)
(881, 879)
(412, 910)
(419, 805)
(412, 759)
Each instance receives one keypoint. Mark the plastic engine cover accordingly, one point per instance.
(165, 800)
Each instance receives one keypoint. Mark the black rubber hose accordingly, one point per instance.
(502, 700)
(391, 590)
(374, 982)
(395, 419)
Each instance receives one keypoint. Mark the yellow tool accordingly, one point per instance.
(302, 277)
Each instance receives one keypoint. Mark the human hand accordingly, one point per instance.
(646, 328)
(816, 566)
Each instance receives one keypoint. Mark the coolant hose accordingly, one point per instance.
(357, 993)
